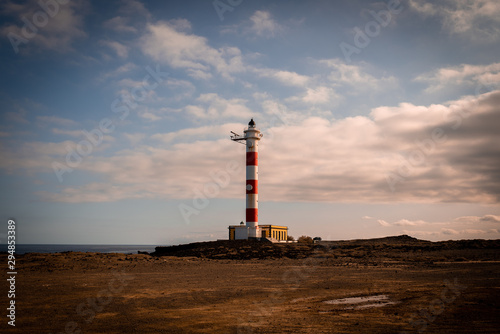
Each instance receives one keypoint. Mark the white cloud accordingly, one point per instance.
(61, 30)
(200, 133)
(449, 231)
(466, 232)
(212, 106)
(32, 156)
(478, 220)
(458, 227)
(402, 222)
(148, 115)
(406, 222)
(132, 18)
(94, 192)
(477, 77)
(407, 118)
(182, 88)
(421, 234)
(490, 219)
(165, 43)
(120, 49)
(277, 113)
(199, 74)
(292, 78)
(423, 7)
(320, 95)
(130, 83)
(134, 138)
(152, 114)
(155, 103)
(383, 222)
(37, 156)
(356, 76)
(18, 116)
(474, 19)
(55, 120)
(149, 172)
(134, 7)
(263, 25)
(120, 24)
(316, 159)
(285, 77)
(472, 231)
(118, 71)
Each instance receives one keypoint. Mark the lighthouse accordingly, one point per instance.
(251, 139)
(251, 229)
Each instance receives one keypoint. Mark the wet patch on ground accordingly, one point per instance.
(361, 303)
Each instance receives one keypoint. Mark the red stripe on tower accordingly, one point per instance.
(252, 158)
(252, 186)
(252, 215)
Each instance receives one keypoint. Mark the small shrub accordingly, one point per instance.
(305, 239)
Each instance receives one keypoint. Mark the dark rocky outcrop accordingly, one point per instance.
(402, 248)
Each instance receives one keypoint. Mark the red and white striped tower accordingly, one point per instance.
(252, 137)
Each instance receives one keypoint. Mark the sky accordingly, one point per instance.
(379, 118)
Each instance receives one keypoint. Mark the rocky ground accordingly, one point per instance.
(369, 251)
(405, 285)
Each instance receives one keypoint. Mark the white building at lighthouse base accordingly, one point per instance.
(238, 232)
(242, 232)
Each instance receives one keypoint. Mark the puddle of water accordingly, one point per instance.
(362, 303)
(357, 300)
(361, 307)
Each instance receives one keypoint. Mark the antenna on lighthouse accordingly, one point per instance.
(237, 138)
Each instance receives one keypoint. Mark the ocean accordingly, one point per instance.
(46, 248)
